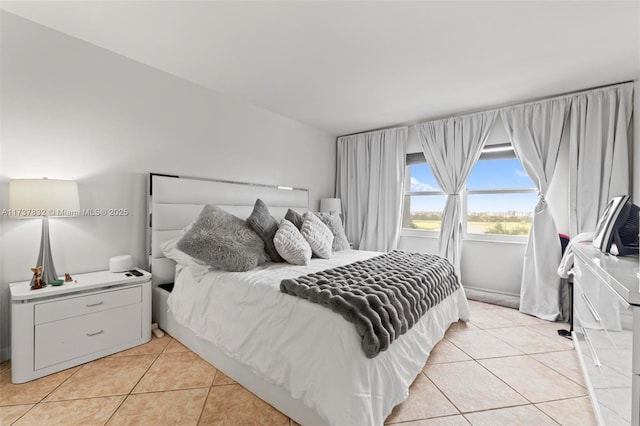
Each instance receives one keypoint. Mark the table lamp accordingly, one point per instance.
(331, 205)
(43, 198)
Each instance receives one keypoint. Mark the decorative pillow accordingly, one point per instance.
(291, 244)
(334, 223)
(294, 217)
(170, 250)
(317, 234)
(223, 241)
(266, 227)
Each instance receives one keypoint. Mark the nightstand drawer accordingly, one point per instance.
(82, 305)
(70, 338)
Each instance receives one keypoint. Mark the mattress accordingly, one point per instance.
(303, 347)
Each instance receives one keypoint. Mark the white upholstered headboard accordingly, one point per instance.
(175, 202)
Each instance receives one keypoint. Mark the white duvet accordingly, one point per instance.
(302, 346)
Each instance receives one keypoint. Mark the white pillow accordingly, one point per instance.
(317, 234)
(170, 249)
(291, 245)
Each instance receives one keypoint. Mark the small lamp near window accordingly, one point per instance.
(43, 198)
(331, 205)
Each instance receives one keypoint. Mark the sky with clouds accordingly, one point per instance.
(487, 174)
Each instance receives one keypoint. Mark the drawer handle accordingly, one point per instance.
(91, 305)
(591, 308)
(594, 355)
(95, 334)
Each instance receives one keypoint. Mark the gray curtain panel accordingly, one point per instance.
(599, 152)
(535, 131)
(370, 183)
(452, 147)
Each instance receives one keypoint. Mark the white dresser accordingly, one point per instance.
(95, 315)
(606, 318)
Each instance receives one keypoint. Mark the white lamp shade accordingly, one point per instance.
(30, 198)
(331, 205)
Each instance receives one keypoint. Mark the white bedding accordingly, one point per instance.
(302, 346)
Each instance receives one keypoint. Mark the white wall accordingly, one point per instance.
(497, 265)
(71, 110)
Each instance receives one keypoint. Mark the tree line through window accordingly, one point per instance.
(499, 199)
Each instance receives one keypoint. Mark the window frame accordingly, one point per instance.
(411, 159)
(492, 237)
(491, 152)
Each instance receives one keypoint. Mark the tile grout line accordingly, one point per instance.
(126, 396)
(547, 415)
(404, 422)
(457, 347)
(23, 414)
(511, 406)
(441, 391)
(558, 370)
(494, 375)
(490, 372)
(205, 403)
(533, 330)
(532, 402)
(503, 356)
(43, 398)
(562, 399)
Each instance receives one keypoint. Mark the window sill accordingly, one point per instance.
(477, 238)
(499, 239)
(416, 233)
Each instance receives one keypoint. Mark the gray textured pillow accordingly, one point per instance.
(294, 217)
(334, 223)
(291, 244)
(223, 241)
(317, 234)
(266, 227)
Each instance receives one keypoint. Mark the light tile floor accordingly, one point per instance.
(502, 368)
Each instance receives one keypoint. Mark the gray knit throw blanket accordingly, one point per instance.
(383, 296)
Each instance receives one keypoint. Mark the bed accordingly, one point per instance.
(300, 357)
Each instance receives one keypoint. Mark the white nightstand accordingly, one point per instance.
(55, 328)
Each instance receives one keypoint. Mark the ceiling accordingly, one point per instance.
(346, 67)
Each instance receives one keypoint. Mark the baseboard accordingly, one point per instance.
(499, 298)
(5, 353)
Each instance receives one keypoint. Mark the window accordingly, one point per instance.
(500, 196)
(423, 198)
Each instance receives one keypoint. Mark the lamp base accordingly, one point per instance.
(44, 257)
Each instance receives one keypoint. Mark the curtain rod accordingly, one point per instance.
(459, 114)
